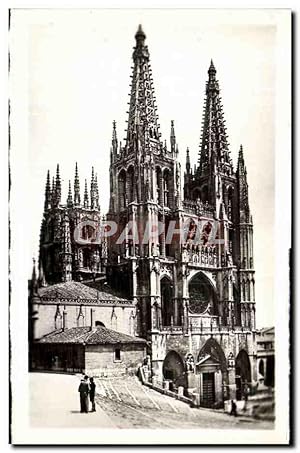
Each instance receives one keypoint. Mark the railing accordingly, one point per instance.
(204, 256)
(198, 208)
(172, 329)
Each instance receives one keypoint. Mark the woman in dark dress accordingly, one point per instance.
(92, 394)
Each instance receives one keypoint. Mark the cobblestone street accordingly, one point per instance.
(129, 404)
(122, 403)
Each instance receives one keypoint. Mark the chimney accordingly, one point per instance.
(92, 319)
(64, 320)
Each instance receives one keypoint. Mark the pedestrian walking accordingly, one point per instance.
(92, 394)
(233, 408)
(84, 390)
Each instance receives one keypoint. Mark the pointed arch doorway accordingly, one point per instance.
(242, 373)
(212, 370)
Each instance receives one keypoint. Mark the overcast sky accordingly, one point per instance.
(73, 68)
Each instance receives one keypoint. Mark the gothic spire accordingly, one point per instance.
(76, 187)
(173, 137)
(241, 162)
(114, 141)
(70, 198)
(241, 175)
(86, 196)
(34, 282)
(47, 204)
(214, 148)
(188, 161)
(42, 279)
(143, 119)
(53, 191)
(57, 196)
(96, 191)
(93, 194)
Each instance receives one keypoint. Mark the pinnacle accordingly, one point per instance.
(140, 32)
(140, 36)
(57, 172)
(212, 68)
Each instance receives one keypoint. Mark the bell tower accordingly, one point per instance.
(145, 191)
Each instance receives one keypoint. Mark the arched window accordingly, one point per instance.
(130, 184)
(88, 232)
(202, 295)
(86, 262)
(230, 203)
(166, 188)
(158, 184)
(196, 194)
(204, 194)
(166, 291)
(122, 189)
(242, 373)
(261, 367)
(243, 290)
(174, 369)
(99, 324)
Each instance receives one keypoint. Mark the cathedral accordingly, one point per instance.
(177, 272)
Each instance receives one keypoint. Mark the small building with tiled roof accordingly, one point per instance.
(97, 351)
(75, 327)
(69, 305)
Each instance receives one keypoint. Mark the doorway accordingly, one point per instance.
(208, 385)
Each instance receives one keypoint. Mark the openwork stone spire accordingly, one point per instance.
(241, 175)
(76, 187)
(70, 198)
(47, 204)
(214, 151)
(86, 196)
(57, 189)
(143, 119)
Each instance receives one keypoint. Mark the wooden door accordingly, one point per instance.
(208, 383)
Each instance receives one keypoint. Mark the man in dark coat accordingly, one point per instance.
(92, 394)
(233, 408)
(84, 390)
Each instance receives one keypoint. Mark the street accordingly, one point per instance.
(121, 403)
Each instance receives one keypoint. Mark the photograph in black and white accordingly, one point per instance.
(151, 267)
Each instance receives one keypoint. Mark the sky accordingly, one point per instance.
(72, 70)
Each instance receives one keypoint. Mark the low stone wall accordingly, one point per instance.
(164, 391)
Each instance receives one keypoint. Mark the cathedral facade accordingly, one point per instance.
(182, 256)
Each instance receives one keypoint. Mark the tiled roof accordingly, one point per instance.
(79, 293)
(84, 335)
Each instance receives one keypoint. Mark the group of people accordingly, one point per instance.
(87, 389)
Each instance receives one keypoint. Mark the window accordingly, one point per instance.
(117, 355)
(99, 324)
